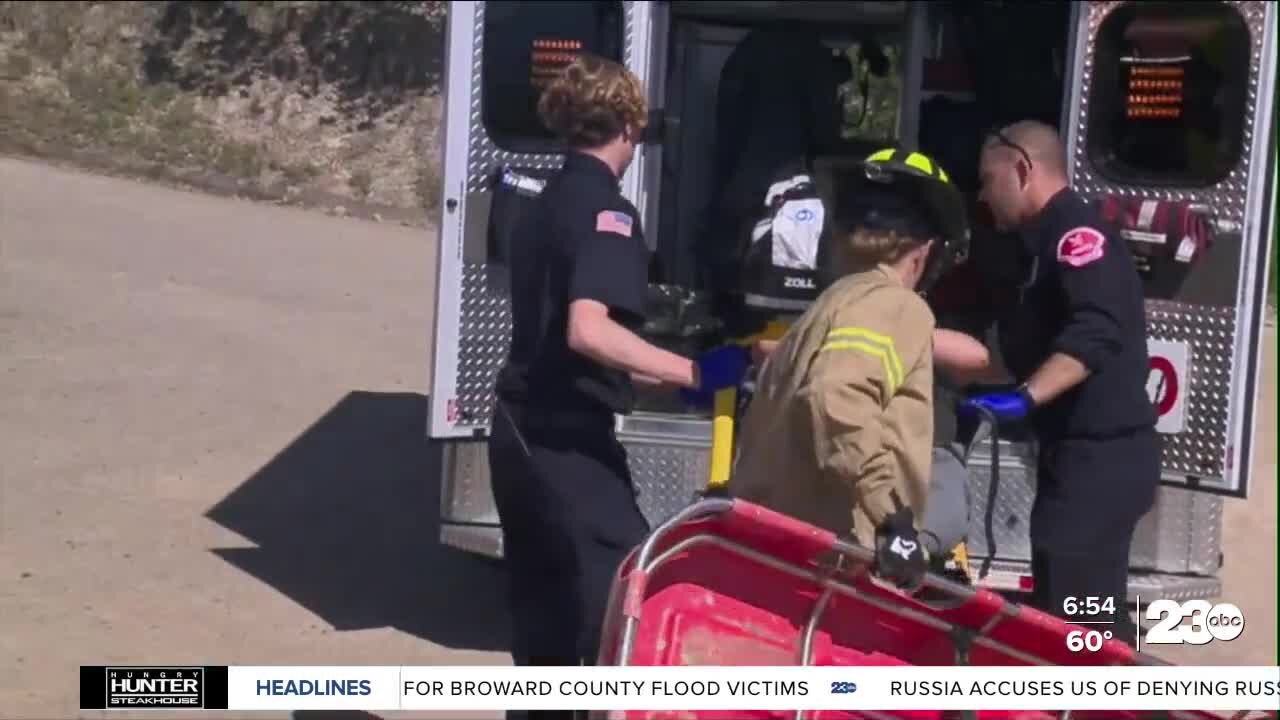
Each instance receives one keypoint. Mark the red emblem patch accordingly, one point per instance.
(1081, 246)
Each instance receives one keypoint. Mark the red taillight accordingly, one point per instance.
(1026, 583)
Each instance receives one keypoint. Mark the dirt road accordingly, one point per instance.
(211, 446)
(212, 441)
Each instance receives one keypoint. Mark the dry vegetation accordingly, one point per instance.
(320, 103)
(330, 104)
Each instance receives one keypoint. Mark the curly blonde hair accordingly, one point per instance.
(592, 101)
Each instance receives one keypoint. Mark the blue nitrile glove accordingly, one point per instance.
(699, 399)
(721, 368)
(1007, 406)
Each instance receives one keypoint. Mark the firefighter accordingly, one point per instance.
(560, 479)
(839, 432)
(1076, 343)
(946, 518)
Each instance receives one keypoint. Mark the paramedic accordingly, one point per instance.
(839, 432)
(560, 478)
(1076, 341)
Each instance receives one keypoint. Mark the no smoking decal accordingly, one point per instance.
(1166, 383)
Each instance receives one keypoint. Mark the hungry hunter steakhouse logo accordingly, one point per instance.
(155, 687)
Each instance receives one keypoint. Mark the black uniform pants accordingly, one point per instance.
(1091, 493)
(569, 517)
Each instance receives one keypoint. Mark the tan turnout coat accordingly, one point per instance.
(842, 414)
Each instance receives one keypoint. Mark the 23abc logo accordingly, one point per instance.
(1207, 622)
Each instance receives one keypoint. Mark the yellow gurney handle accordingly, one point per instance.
(773, 331)
(722, 438)
(726, 403)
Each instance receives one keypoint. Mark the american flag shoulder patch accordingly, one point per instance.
(614, 221)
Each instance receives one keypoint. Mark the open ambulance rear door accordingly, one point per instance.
(1172, 103)
(496, 156)
(1175, 102)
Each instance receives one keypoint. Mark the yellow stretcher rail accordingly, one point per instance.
(722, 439)
(725, 408)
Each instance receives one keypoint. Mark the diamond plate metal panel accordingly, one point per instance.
(1181, 534)
(485, 325)
(667, 473)
(484, 335)
(667, 477)
(486, 541)
(1006, 575)
(669, 456)
(469, 497)
(1172, 587)
(1200, 449)
(1017, 491)
(483, 154)
(1226, 198)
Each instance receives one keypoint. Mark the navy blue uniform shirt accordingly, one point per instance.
(1083, 298)
(581, 240)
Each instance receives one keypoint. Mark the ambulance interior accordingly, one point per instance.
(923, 77)
(932, 77)
(908, 78)
(935, 77)
(929, 76)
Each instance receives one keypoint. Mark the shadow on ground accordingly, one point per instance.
(346, 522)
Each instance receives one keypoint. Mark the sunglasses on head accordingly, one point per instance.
(997, 134)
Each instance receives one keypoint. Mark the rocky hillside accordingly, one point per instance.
(329, 104)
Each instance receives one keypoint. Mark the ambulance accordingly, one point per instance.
(1161, 104)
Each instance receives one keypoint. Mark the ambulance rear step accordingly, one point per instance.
(1012, 576)
(481, 539)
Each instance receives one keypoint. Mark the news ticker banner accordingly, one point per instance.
(374, 688)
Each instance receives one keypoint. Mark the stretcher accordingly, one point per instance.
(727, 582)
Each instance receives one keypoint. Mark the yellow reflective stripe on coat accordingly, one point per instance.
(882, 340)
(873, 343)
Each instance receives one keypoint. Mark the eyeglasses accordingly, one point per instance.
(998, 134)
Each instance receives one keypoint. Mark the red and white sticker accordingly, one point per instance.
(1186, 250)
(1081, 246)
(1167, 384)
